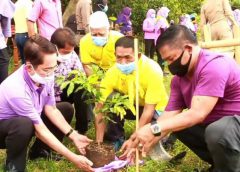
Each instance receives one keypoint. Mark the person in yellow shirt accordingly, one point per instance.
(22, 9)
(97, 47)
(121, 78)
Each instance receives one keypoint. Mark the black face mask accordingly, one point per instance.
(176, 68)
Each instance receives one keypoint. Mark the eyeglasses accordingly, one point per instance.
(50, 70)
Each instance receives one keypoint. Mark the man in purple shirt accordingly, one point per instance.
(48, 16)
(207, 85)
(27, 105)
(6, 13)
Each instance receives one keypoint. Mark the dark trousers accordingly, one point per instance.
(218, 143)
(16, 133)
(81, 109)
(115, 127)
(21, 39)
(4, 62)
(149, 48)
(67, 111)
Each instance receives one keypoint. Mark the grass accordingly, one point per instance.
(188, 164)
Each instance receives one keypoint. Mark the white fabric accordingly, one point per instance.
(99, 20)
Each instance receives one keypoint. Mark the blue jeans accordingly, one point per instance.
(21, 39)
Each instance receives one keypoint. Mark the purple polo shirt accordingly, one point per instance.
(19, 96)
(48, 15)
(216, 75)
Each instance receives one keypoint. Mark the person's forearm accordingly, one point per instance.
(55, 116)
(144, 119)
(31, 30)
(180, 121)
(100, 127)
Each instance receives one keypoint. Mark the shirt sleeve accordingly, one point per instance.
(212, 81)
(36, 11)
(6, 26)
(176, 101)
(24, 107)
(84, 50)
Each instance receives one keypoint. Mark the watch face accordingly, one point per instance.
(156, 129)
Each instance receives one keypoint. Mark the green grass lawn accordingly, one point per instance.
(188, 164)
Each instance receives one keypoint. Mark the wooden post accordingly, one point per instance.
(137, 98)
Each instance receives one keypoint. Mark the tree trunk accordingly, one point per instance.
(70, 10)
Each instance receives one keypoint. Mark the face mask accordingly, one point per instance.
(176, 68)
(42, 80)
(126, 68)
(103, 8)
(64, 57)
(153, 15)
(99, 41)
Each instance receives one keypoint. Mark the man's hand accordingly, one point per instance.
(80, 141)
(83, 163)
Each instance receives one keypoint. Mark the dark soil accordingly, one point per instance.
(100, 154)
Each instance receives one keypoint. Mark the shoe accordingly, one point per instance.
(10, 167)
(43, 153)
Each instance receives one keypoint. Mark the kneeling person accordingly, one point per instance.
(121, 78)
(25, 95)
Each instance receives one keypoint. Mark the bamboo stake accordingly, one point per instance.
(137, 99)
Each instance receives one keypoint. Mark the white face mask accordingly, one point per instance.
(64, 57)
(42, 80)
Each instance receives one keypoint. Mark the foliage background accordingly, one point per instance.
(140, 7)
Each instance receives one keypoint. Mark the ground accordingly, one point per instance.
(188, 164)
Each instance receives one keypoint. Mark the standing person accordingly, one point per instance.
(217, 14)
(203, 108)
(161, 25)
(124, 22)
(27, 105)
(23, 8)
(149, 26)
(97, 47)
(100, 5)
(83, 12)
(64, 39)
(6, 13)
(48, 16)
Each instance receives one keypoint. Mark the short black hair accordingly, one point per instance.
(63, 36)
(125, 42)
(35, 49)
(175, 36)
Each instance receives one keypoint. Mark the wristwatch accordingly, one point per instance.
(155, 128)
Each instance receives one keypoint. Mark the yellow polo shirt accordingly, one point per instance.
(104, 57)
(151, 88)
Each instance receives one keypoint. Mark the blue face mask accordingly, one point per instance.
(99, 41)
(126, 68)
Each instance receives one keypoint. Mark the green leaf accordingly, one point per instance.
(70, 88)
